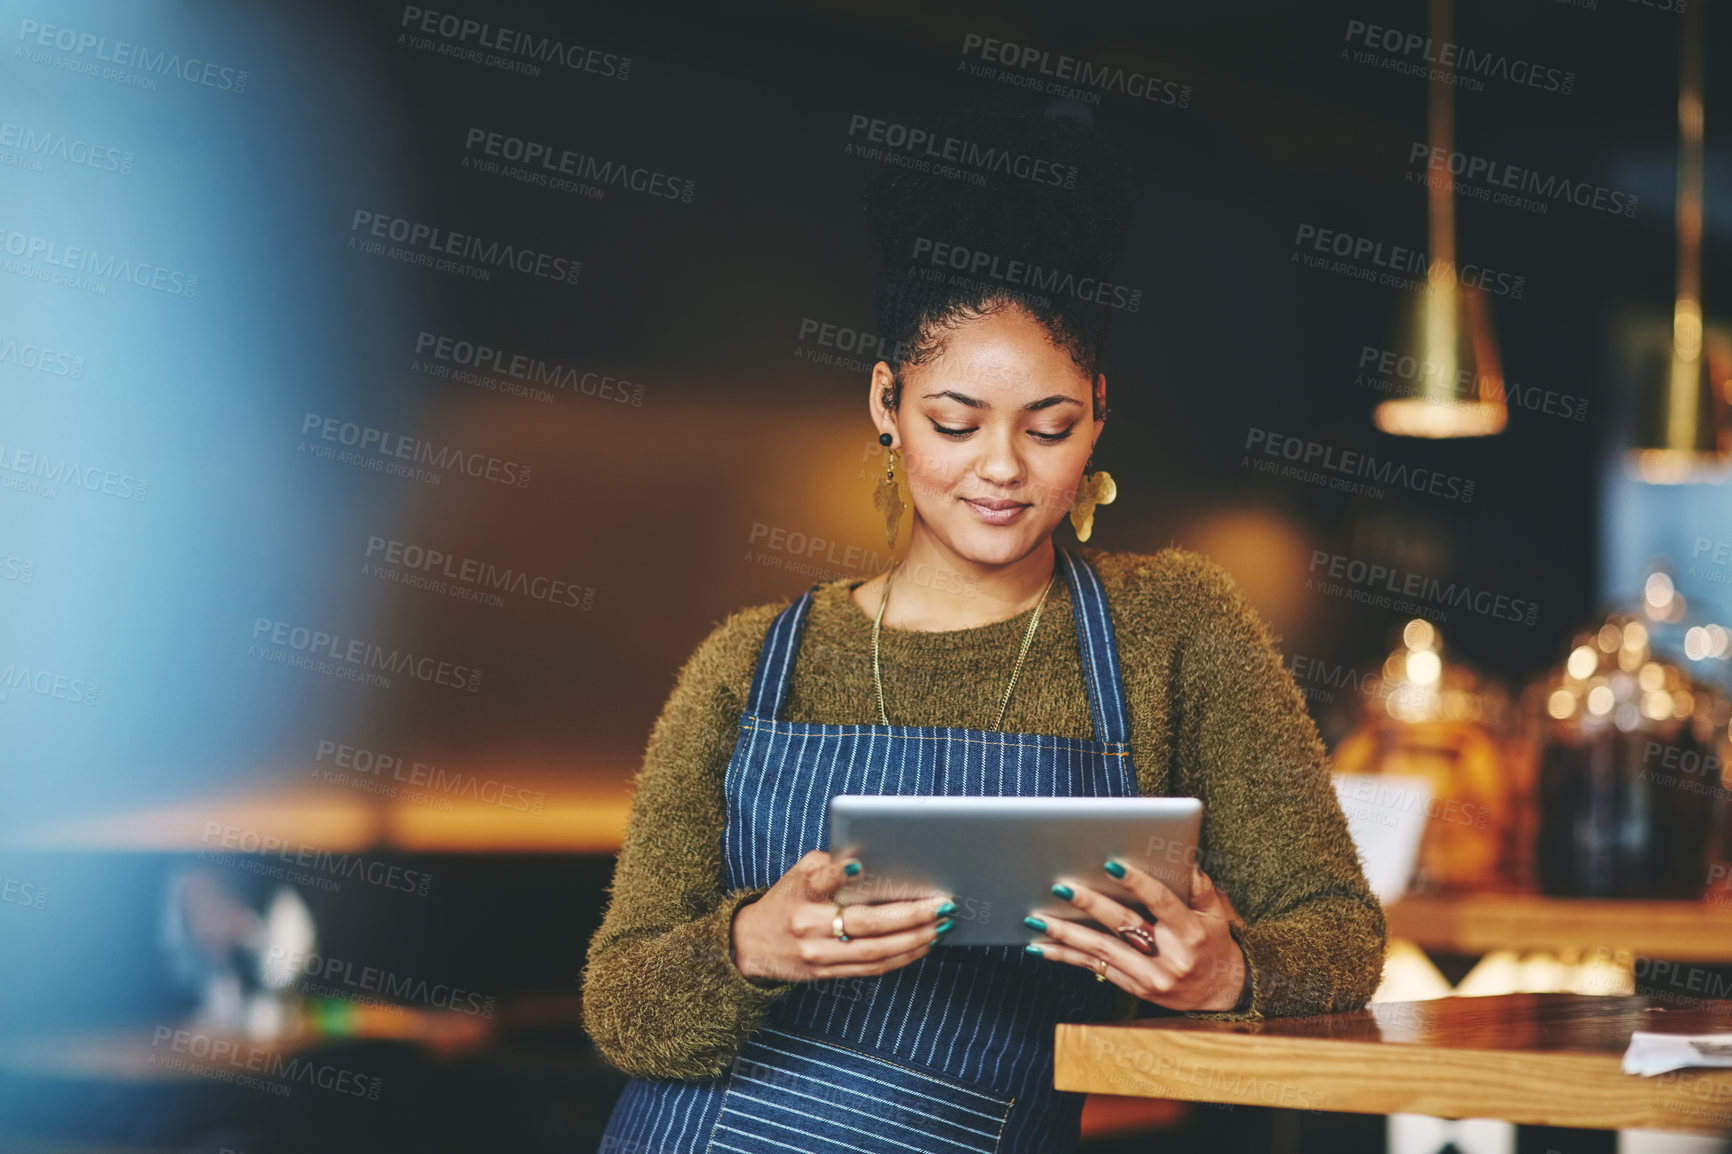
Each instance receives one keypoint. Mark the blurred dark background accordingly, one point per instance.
(702, 445)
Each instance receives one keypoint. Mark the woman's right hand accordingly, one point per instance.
(788, 935)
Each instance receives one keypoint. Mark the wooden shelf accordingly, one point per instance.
(1479, 923)
(542, 816)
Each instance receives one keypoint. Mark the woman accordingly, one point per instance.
(754, 1012)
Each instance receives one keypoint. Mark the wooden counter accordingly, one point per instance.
(1540, 1059)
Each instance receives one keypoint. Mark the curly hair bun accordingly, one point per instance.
(1012, 209)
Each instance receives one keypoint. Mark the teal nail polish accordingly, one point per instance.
(947, 908)
(1115, 869)
(1035, 950)
(945, 926)
(851, 869)
(1063, 891)
(1034, 923)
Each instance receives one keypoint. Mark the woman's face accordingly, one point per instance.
(994, 434)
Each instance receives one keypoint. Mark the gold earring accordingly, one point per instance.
(887, 497)
(1097, 488)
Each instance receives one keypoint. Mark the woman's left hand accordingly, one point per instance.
(1196, 964)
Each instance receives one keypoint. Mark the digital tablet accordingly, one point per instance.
(998, 857)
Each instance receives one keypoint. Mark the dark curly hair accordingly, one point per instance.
(1034, 217)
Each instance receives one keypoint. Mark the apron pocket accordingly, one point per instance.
(790, 1092)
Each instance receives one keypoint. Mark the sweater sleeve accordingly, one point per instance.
(1274, 836)
(661, 995)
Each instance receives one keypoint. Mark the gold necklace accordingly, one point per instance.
(1027, 639)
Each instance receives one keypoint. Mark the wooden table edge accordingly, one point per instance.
(1332, 1075)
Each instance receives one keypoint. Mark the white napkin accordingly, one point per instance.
(1660, 1053)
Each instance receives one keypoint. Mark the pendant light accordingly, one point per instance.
(1684, 437)
(1460, 393)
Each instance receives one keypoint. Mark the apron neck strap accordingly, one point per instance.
(1099, 650)
(776, 660)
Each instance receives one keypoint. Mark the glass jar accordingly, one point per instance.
(1632, 770)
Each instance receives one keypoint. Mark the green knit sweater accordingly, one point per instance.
(1213, 715)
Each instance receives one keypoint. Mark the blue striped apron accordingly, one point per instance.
(952, 1053)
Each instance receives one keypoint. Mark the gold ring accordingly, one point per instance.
(836, 930)
(1100, 970)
